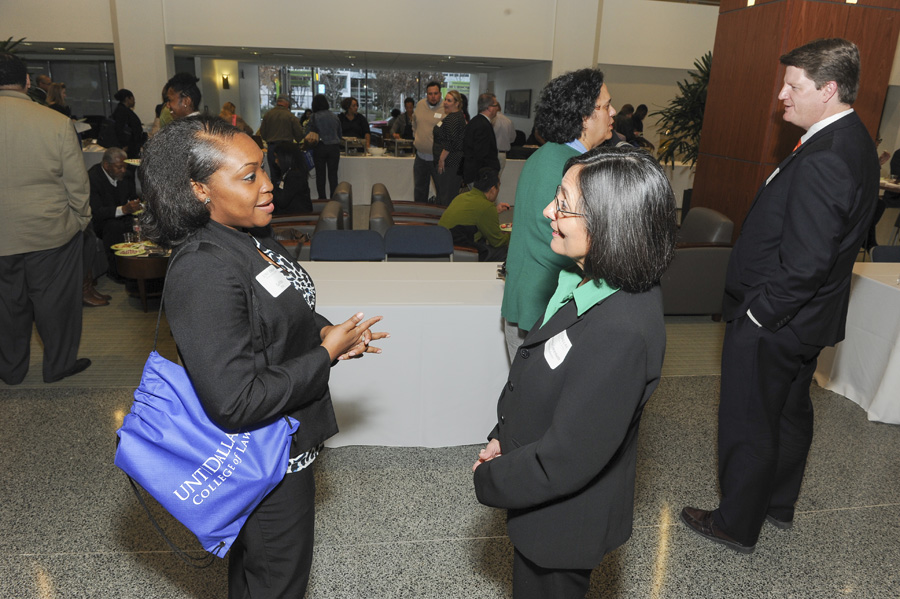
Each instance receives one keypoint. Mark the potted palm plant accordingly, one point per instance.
(9, 45)
(680, 122)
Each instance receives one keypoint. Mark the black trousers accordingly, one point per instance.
(447, 186)
(113, 231)
(272, 556)
(326, 158)
(531, 581)
(424, 172)
(765, 425)
(42, 288)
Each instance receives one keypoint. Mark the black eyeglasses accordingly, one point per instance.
(561, 207)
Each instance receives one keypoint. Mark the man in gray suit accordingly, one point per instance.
(43, 210)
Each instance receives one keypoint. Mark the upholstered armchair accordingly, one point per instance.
(695, 281)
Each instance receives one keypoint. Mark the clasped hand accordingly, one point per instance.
(490, 451)
(351, 338)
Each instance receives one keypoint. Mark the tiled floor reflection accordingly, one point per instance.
(403, 522)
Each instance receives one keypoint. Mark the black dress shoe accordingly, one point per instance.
(701, 522)
(781, 524)
(80, 365)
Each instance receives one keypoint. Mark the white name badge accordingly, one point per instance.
(438, 115)
(273, 281)
(556, 349)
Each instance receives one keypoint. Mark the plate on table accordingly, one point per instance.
(134, 251)
(506, 226)
(125, 246)
(133, 161)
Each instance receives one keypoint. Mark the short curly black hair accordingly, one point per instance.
(629, 213)
(185, 151)
(564, 104)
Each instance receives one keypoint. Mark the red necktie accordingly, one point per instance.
(799, 143)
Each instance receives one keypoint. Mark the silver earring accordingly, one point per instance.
(206, 201)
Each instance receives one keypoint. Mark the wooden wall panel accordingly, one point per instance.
(742, 96)
(730, 186)
(744, 134)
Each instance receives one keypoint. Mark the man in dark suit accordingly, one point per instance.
(479, 142)
(113, 201)
(786, 295)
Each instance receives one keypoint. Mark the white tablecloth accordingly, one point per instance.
(397, 175)
(865, 366)
(440, 375)
(92, 156)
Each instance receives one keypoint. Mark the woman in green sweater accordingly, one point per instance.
(574, 114)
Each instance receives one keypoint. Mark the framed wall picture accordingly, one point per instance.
(518, 103)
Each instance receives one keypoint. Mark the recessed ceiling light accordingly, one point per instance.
(59, 48)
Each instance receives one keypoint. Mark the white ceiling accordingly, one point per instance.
(292, 56)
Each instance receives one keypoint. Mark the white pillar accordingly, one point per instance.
(144, 62)
(576, 34)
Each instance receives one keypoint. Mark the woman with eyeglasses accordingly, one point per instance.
(448, 148)
(562, 457)
(574, 115)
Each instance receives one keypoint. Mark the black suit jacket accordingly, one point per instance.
(791, 265)
(129, 130)
(568, 435)
(105, 198)
(252, 357)
(479, 148)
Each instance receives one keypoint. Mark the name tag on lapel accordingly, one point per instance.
(273, 281)
(556, 349)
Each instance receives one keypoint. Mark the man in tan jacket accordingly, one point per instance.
(44, 208)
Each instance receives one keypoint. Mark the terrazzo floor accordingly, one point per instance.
(404, 522)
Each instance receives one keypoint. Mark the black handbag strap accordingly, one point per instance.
(208, 559)
(195, 562)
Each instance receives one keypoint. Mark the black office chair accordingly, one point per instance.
(886, 253)
(347, 246)
(412, 243)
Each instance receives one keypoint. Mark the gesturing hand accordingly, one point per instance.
(351, 338)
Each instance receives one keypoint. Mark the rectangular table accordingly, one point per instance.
(440, 375)
(865, 366)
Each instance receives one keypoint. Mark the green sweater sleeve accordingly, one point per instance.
(489, 227)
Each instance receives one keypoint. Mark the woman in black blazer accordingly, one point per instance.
(561, 459)
(129, 130)
(243, 316)
(291, 194)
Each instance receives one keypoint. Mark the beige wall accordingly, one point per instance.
(84, 21)
(464, 28)
(649, 33)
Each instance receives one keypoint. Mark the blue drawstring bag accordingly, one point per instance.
(208, 478)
